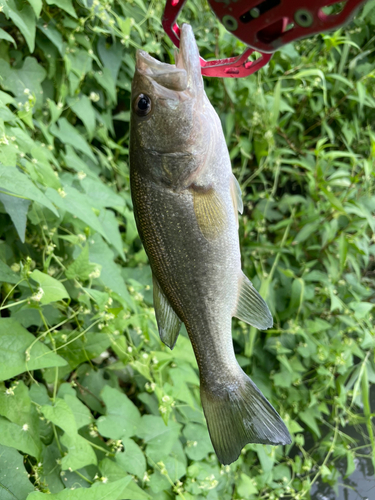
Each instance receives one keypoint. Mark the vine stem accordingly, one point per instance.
(330, 451)
(249, 346)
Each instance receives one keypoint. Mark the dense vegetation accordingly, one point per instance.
(90, 398)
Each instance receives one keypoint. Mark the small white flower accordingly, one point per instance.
(268, 135)
(146, 478)
(37, 297)
(165, 399)
(81, 175)
(94, 97)
(95, 274)
(130, 349)
(25, 427)
(26, 91)
(61, 192)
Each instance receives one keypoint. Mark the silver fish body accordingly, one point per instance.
(185, 203)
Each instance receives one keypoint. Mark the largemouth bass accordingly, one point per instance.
(186, 203)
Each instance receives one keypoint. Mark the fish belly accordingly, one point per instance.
(199, 277)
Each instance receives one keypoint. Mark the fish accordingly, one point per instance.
(186, 202)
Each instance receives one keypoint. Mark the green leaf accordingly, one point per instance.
(83, 108)
(7, 275)
(80, 452)
(350, 466)
(122, 416)
(276, 103)
(361, 309)
(83, 348)
(81, 268)
(106, 81)
(16, 406)
(61, 415)
(101, 298)
(306, 232)
(246, 486)
(5, 36)
(110, 274)
(114, 472)
(198, 441)
(75, 162)
(111, 56)
(49, 29)
(52, 288)
(13, 181)
(81, 413)
(65, 5)
(14, 482)
(132, 459)
(17, 209)
(76, 204)
(19, 437)
(29, 76)
(176, 469)
(160, 438)
(37, 6)
(100, 194)
(308, 418)
(113, 236)
(24, 19)
(14, 342)
(103, 491)
(69, 135)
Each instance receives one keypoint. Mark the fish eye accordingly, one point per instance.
(142, 105)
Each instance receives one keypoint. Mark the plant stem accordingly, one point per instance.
(249, 345)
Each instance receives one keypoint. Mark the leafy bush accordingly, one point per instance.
(90, 398)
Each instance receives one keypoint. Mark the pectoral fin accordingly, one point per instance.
(251, 308)
(169, 323)
(210, 212)
(236, 195)
(235, 191)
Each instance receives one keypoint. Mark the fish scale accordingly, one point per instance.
(185, 200)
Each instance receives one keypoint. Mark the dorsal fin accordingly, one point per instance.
(169, 323)
(251, 308)
(210, 211)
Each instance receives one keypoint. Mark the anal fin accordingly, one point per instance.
(169, 323)
(251, 308)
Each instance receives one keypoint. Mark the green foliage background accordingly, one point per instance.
(92, 404)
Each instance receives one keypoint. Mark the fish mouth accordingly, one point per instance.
(184, 75)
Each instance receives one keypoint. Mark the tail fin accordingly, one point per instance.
(238, 414)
